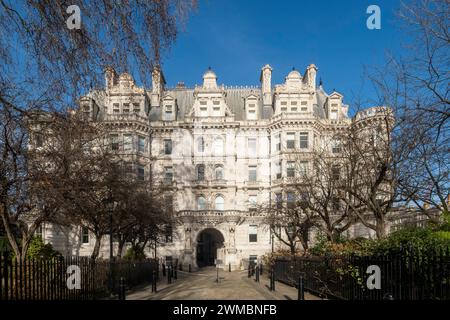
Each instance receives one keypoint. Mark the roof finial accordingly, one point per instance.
(320, 82)
(293, 68)
(209, 68)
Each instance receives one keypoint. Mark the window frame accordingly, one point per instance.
(168, 147)
(304, 144)
(252, 178)
(253, 233)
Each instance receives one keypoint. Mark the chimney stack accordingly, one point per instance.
(266, 90)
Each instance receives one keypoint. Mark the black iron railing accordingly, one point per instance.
(55, 278)
(404, 275)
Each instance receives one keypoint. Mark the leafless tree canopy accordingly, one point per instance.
(44, 65)
(416, 86)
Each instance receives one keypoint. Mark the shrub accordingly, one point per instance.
(422, 239)
(39, 249)
(134, 254)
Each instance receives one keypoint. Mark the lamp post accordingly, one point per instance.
(272, 242)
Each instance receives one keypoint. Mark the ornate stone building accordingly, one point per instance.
(220, 151)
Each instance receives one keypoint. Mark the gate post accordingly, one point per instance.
(301, 289)
(122, 288)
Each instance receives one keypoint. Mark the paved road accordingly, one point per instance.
(202, 285)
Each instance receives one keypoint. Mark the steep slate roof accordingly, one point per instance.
(235, 100)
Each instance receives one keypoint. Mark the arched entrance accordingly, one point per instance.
(208, 241)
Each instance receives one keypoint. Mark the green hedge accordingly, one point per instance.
(422, 239)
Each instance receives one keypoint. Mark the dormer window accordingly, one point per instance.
(251, 112)
(333, 114)
(168, 112)
(293, 103)
(304, 106)
(86, 111)
(294, 109)
(136, 108)
(116, 108)
(216, 111)
(216, 103)
(126, 108)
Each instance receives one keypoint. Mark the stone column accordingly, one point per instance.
(231, 251)
(188, 252)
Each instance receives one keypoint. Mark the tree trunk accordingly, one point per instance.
(380, 228)
(96, 250)
(120, 246)
(304, 242)
(11, 238)
(292, 248)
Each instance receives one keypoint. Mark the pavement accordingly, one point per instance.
(203, 285)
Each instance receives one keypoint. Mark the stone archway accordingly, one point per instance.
(208, 242)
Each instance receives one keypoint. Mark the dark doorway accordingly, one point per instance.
(208, 241)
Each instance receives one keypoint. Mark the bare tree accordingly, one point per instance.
(370, 187)
(289, 221)
(144, 216)
(321, 181)
(415, 85)
(55, 66)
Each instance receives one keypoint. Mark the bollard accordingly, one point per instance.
(169, 280)
(257, 274)
(301, 289)
(189, 268)
(260, 269)
(122, 288)
(175, 276)
(229, 267)
(272, 280)
(157, 272)
(154, 279)
(163, 269)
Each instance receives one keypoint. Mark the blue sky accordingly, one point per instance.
(237, 37)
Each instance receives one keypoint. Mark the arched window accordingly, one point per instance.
(219, 203)
(201, 172)
(201, 203)
(218, 146)
(200, 144)
(218, 172)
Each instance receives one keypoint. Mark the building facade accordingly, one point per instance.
(220, 152)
